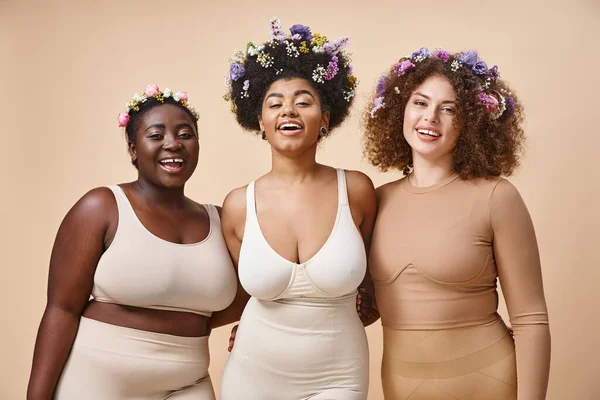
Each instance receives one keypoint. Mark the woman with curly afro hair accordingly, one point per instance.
(299, 235)
(448, 230)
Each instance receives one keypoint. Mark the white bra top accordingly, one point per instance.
(334, 271)
(142, 270)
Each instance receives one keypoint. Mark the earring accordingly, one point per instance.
(323, 131)
(264, 135)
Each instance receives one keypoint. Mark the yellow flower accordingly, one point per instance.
(352, 80)
(303, 48)
(319, 40)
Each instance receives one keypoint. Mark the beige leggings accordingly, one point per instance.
(109, 362)
(471, 363)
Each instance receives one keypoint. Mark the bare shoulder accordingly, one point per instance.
(359, 183)
(97, 203)
(234, 205)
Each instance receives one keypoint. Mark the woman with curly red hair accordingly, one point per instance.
(449, 229)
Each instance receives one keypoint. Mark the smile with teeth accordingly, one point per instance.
(289, 127)
(172, 164)
(428, 132)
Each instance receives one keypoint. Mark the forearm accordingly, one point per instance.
(53, 344)
(532, 342)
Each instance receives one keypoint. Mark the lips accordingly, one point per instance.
(290, 128)
(172, 165)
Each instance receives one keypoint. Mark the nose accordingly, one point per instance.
(172, 143)
(288, 109)
(431, 115)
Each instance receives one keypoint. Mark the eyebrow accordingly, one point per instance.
(162, 126)
(296, 93)
(429, 98)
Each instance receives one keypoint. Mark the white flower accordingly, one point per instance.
(167, 93)
(138, 97)
(252, 51)
(175, 97)
(316, 49)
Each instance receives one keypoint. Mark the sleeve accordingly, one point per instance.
(519, 270)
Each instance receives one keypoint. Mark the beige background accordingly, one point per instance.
(68, 68)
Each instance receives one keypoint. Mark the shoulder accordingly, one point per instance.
(359, 183)
(361, 190)
(95, 208)
(386, 189)
(234, 205)
(97, 200)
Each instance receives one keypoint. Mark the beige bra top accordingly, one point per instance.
(142, 270)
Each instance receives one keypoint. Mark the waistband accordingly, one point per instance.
(447, 353)
(101, 336)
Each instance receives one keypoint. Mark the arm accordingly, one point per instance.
(519, 270)
(362, 198)
(233, 217)
(79, 243)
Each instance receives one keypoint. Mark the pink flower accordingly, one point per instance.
(492, 104)
(123, 120)
(152, 90)
(181, 96)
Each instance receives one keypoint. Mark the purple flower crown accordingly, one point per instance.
(299, 41)
(493, 102)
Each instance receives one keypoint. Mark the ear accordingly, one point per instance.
(325, 119)
(132, 151)
(260, 123)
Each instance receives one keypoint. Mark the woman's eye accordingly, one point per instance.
(420, 103)
(449, 110)
(156, 136)
(186, 135)
(303, 103)
(274, 105)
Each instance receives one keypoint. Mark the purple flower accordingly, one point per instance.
(378, 103)
(401, 68)
(421, 54)
(336, 46)
(276, 31)
(468, 58)
(494, 72)
(510, 105)
(381, 84)
(480, 68)
(349, 69)
(332, 69)
(236, 71)
(246, 85)
(442, 55)
(303, 31)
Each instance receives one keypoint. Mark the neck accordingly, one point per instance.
(156, 195)
(293, 168)
(429, 172)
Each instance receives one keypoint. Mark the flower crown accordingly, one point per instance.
(153, 91)
(298, 42)
(493, 102)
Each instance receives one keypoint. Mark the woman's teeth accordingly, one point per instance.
(428, 132)
(290, 126)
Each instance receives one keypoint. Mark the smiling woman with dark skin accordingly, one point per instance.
(154, 262)
(300, 233)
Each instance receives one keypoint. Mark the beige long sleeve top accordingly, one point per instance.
(438, 252)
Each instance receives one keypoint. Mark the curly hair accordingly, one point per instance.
(487, 146)
(247, 91)
(136, 117)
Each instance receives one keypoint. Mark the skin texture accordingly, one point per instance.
(157, 197)
(307, 190)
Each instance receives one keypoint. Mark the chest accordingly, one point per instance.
(450, 241)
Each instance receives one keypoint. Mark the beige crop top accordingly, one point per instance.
(142, 270)
(437, 252)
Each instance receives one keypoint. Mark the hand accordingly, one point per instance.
(364, 304)
(232, 338)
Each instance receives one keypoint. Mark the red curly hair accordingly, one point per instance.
(488, 146)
